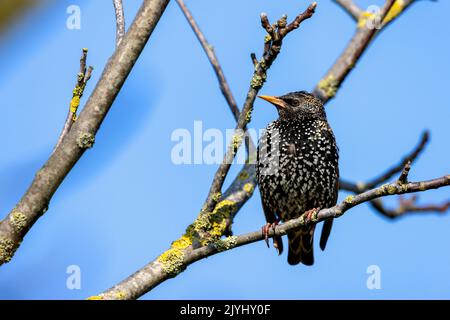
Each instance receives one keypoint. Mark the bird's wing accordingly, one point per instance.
(328, 224)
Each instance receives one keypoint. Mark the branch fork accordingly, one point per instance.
(82, 79)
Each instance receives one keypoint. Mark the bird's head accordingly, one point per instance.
(299, 104)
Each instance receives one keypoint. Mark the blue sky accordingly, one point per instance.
(125, 201)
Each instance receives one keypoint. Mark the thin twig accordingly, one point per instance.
(120, 21)
(411, 157)
(404, 207)
(254, 59)
(408, 206)
(177, 259)
(82, 79)
(404, 176)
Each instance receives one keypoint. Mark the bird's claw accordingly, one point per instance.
(308, 215)
(266, 230)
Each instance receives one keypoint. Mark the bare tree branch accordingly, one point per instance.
(272, 48)
(367, 29)
(411, 157)
(120, 21)
(352, 8)
(81, 137)
(408, 206)
(405, 206)
(178, 258)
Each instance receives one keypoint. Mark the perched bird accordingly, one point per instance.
(297, 170)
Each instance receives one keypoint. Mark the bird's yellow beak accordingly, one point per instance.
(274, 100)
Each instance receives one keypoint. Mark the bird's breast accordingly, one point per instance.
(297, 166)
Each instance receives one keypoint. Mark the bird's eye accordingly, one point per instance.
(293, 102)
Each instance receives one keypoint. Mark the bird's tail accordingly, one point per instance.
(301, 246)
(326, 230)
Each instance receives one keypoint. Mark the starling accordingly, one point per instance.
(297, 170)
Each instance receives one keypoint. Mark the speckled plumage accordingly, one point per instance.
(297, 169)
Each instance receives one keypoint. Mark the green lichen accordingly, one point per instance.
(200, 225)
(329, 86)
(248, 116)
(237, 140)
(258, 80)
(7, 250)
(211, 226)
(18, 220)
(391, 189)
(249, 188)
(349, 199)
(302, 220)
(381, 191)
(77, 93)
(80, 77)
(225, 244)
(364, 18)
(403, 187)
(172, 261)
(282, 22)
(216, 197)
(183, 242)
(267, 38)
(86, 140)
(262, 64)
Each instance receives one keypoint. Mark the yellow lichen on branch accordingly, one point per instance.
(77, 93)
(18, 220)
(394, 11)
(364, 17)
(7, 249)
(329, 86)
(172, 261)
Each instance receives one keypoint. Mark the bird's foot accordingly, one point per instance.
(266, 230)
(308, 215)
